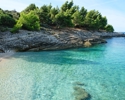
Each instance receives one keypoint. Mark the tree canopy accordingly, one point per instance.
(68, 15)
(6, 19)
(29, 21)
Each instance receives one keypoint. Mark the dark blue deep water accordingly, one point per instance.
(50, 75)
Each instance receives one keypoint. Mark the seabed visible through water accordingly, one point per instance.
(57, 75)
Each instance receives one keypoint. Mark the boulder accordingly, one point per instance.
(81, 94)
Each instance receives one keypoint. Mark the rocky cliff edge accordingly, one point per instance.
(50, 39)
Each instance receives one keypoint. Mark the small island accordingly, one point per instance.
(53, 28)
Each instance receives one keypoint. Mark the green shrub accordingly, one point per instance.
(16, 28)
(109, 28)
(28, 21)
(6, 20)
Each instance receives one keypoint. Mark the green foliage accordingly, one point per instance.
(6, 19)
(94, 20)
(68, 15)
(14, 14)
(16, 28)
(77, 18)
(73, 10)
(53, 13)
(28, 21)
(103, 22)
(109, 28)
(83, 13)
(44, 14)
(63, 19)
(30, 8)
(67, 5)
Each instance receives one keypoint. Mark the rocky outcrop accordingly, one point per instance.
(50, 39)
(1, 51)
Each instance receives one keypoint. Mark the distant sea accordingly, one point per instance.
(50, 75)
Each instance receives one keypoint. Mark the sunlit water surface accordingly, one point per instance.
(50, 75)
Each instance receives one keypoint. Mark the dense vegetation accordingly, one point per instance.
(8, 19)
(68, 15)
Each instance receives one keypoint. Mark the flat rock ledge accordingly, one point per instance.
(50, 39)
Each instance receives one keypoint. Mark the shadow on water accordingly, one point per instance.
(54, 57)
(89, 50)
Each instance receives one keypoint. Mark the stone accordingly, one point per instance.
(1, 51)
(87, 44)
(81, 94)
(51, 39)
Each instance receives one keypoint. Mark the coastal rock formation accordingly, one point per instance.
(1, 51)
(50, 39)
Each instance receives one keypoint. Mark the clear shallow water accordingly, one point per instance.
(51, 75)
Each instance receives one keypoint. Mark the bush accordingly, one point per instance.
(6, 20)
(109, 28)
(28, 21)
(16, 28)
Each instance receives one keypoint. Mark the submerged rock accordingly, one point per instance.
(81, 94)
(78, 83)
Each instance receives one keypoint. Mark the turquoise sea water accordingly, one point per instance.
(50, 75)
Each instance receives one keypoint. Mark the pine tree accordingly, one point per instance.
(109, 28)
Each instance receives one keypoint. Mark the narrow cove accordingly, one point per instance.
(51, 75)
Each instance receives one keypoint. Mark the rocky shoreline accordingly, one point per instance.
(50, 39)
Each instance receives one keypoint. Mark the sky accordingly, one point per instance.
(114, 10)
